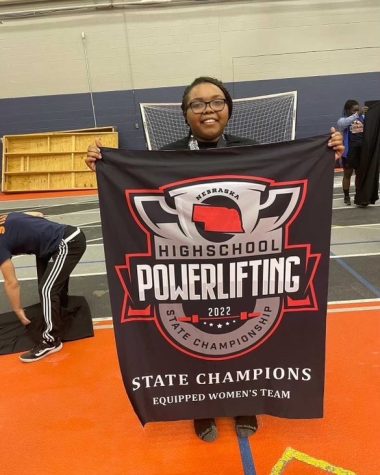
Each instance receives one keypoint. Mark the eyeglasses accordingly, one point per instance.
(216, 105)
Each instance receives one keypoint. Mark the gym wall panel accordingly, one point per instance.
(328, 51)
(190, 47)
(290, 14)
(305, 64)
(159, 47)
(48, 57)
(320, 102)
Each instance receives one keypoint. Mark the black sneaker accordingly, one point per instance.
(41, 350)
(347, 200)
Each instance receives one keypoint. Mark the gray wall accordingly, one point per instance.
(328, 51)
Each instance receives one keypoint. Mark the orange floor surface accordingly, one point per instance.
(69, 414)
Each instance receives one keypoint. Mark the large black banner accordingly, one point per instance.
(217, 264)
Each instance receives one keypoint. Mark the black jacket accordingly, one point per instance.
(367, 185)
(231, 141)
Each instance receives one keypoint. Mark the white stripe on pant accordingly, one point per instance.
(46, 289)
(56, 276)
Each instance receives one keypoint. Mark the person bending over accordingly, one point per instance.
(58, 248)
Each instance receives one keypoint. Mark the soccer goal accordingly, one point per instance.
(267, 119)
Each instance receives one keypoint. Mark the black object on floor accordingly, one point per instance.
(14, 337)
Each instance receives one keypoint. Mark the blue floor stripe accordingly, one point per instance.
(359, 277)
(246, 456)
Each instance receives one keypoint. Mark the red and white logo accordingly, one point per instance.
(217, 271)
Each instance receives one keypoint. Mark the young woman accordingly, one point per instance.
(351, 124)
(207, 107)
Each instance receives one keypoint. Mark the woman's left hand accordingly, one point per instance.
(336, 143)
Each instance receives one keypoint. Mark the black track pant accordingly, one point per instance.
(53, 279)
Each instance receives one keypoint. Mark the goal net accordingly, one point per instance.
(267, 119)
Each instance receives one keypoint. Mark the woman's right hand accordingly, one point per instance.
(363, 110)
(93, 154)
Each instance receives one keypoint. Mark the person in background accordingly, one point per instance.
(58, 248)
(207, 107)
(351, 125)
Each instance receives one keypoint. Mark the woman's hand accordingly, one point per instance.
(336, 143)
(93, 154)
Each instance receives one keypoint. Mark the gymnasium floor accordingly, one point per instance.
(69, 414)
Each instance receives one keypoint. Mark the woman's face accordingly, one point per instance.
(209, 125)
(355, 108)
